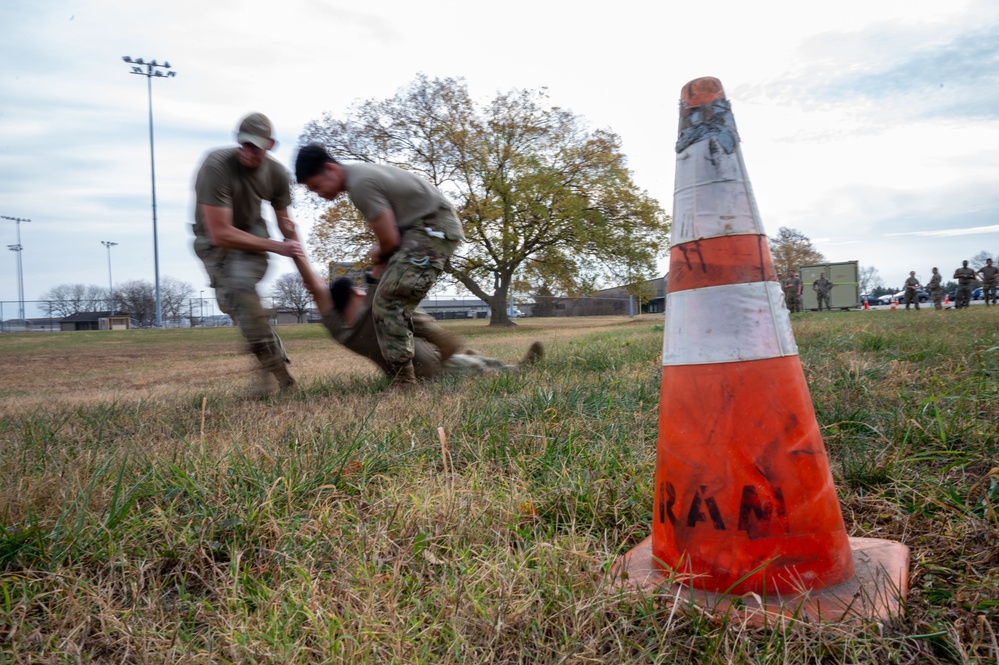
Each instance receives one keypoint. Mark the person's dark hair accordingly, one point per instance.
(341, 290)
(310, 161)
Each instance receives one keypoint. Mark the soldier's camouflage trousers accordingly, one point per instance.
(234, 276)
(408, 276)
(963, 296)
(823, 298)
(793, 302)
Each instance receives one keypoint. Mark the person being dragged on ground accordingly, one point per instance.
(346, 314)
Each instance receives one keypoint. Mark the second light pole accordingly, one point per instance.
(152, 70)
(20, 272)
(109, 245)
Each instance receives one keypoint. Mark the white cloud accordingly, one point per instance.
(944, 233)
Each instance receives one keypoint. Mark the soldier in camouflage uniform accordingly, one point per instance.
(911, 295)
(936, 289)
(792, 292)
(822, 288)
(416, 231)
(988, 273)
(231, 238)
(965, 277)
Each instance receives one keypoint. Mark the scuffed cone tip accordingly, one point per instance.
(705, 113)
(702, 91)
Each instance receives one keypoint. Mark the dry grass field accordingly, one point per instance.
(152, 511)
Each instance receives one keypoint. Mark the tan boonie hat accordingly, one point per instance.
(256, 129)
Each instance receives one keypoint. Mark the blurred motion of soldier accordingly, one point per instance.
(231, 238)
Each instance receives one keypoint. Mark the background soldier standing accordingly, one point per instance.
(935, 289)
(231, 238)
(822, 288)
(988, 273)
(792, 292)
(911, 284)
(965, 277)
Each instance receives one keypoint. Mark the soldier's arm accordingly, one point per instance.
(286, 226)
(314, 284)
(218, 225)
(387, 235)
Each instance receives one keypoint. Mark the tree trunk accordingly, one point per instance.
(497, 301)
(500, 317)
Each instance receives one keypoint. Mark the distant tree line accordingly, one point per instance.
(137, 298)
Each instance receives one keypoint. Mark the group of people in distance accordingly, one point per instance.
(416, 231)
(964, 275)
(793, 287)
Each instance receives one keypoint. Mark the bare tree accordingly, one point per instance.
(979, 259)
(137, 298)
(69, 299)
(175, 298)
(289, 292)
(869, 279)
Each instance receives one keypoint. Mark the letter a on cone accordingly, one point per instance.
(743, 497)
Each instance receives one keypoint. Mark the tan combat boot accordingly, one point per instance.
(404, 379)
(286, 383)
(534, 355)
(273, 363)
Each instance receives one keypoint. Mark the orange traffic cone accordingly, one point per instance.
(865, 304)
(744, 500)
(946, 299)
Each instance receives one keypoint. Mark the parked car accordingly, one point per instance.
(977, 294)
(899, 298)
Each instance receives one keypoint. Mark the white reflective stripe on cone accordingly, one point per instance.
(712, 197)
(730, 323)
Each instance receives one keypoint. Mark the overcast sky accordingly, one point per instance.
(872, 127)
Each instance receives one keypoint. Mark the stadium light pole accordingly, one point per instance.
(152, 70)
(20, 272)
(109, 245)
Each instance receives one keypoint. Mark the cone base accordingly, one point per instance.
(875, 592)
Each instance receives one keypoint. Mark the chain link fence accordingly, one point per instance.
(62, 316)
